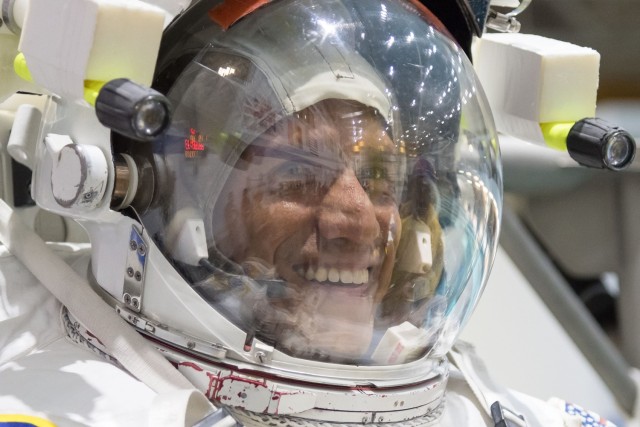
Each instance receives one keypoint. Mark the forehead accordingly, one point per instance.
(332, 125)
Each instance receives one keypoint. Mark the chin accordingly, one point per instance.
(330, 346)
(338, 329)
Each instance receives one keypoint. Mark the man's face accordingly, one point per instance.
(317, 210)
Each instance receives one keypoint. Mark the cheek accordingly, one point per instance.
(390, 229)
(270, 225)
(227, 226)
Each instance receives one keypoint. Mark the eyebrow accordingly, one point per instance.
(296, 154)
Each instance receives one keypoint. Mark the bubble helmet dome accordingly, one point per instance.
(329, 192)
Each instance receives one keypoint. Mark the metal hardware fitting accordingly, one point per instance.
(503, 417)
(134, 271)
(167, 334)
(507, 22)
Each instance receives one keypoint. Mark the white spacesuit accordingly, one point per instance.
(301, 226)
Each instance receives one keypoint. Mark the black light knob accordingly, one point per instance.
(595, 143)
(133, 110)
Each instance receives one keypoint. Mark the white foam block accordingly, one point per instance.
(68, 41)
(531, 79)
(126, 41)
(10, 83)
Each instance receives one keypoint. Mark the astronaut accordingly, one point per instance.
(303, 242)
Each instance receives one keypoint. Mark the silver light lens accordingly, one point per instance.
(618, 150)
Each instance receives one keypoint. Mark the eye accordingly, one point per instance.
(379, 184)
(295, 180)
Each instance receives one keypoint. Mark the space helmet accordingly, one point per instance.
(321, 215)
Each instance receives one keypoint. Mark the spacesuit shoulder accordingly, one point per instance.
(46, 379)
(474, 398)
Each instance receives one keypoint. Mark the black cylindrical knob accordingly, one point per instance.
(595, 143)
(133, 110)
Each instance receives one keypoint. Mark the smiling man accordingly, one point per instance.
(303, 244)
(328, 187)
(320, 214)
(325, 201)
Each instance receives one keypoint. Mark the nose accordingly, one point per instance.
(346, 212)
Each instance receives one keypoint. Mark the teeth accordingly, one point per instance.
(310, 274)
(334, 275)
(321, 274)
(346, 276)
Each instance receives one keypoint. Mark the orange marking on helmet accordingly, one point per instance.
(229, 12)
(431, 18)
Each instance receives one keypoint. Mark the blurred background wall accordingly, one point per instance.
(612, 27)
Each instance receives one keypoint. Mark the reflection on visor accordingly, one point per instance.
(340, 167)
(327, 189)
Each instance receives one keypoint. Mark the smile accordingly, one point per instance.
(335, 276)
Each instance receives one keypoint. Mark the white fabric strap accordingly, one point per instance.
(179, 408)
(135, 354)
(481, 384)
(536, 413)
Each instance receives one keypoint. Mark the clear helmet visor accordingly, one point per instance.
(336, 168)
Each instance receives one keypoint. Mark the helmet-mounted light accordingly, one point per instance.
(133, 110)
(595, 143)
